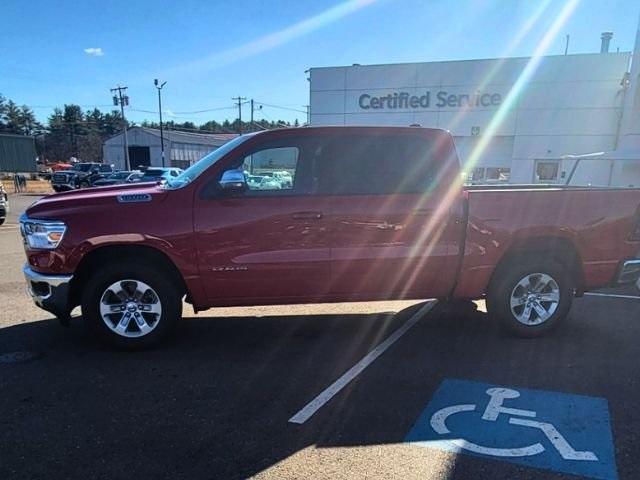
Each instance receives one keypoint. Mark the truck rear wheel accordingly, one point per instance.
(531, 297)
(131, 306)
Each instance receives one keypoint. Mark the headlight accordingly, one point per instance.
(42, 234)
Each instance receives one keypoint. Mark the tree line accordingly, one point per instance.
(71, 132)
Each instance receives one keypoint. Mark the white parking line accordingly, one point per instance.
(314, 405)
(612, 295)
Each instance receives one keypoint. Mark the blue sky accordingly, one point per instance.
(211, 51)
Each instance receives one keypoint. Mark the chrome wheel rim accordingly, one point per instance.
(535, 299)
(130, 308)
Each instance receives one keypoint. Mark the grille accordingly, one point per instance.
(59, 178)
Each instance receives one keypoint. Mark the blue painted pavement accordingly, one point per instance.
(548, 430)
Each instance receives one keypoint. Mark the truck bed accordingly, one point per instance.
(595, 222)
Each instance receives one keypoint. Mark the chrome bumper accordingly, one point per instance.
(69, 186)
(629, 272)
(49, 292)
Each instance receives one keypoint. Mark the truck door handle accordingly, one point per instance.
(306, 215)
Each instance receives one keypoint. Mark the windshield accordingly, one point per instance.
(82, 167)
(195, 170)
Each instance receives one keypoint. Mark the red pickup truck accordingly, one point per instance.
(324, 214)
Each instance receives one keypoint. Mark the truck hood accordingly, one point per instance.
(74, 201)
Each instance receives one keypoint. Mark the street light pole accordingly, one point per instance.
(159, 87)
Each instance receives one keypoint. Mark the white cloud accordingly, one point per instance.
(95, 52)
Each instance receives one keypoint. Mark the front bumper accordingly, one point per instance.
(64, 186)
(49, 292)
(629, 272)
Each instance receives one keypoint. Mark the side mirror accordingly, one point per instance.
(233, 181)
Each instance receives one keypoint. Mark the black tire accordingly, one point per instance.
(503, 286)
(163, 285)
(57, 189)
(2, 221)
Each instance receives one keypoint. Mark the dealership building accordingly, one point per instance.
(537, 120)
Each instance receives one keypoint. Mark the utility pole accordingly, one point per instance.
(240, 100)
(159, 87)
(251, 114)
(123, 100)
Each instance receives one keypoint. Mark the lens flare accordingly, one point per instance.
(271, 40)
(522, 81)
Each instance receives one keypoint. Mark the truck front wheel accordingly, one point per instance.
(131, 306)
(531, 297)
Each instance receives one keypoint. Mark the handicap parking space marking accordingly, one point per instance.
(549, 430)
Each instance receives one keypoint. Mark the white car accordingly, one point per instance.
(253, 181)
(269, 183)
(284, 177)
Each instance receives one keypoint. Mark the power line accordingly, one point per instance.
(281, 107)
(58, 106)
(205, 111)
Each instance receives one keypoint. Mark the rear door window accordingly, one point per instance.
(377, 164)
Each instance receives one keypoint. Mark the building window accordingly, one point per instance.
(498, 174)
(477, 174)
(547, 171)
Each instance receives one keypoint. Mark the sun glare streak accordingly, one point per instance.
(524, 77)
(507, 52)
(434, 228)
(271, 40)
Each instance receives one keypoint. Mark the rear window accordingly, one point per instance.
(381, 164)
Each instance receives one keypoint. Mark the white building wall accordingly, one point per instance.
(571, 105)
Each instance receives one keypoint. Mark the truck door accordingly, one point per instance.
(390, 220)
(270, 243)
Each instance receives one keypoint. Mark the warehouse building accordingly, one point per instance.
(181, 149)
(537, 120)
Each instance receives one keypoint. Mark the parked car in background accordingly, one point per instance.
(136, 176)
(156, 174)
(114, 178)
(284, 177)
(57, 167)
(80, 175)
(269, 183)
(4, 204)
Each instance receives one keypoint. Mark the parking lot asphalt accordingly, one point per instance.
(215, 402)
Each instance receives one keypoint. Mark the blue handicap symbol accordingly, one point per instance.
(549, 430)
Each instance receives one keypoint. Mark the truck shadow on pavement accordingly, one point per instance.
(215, 401)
